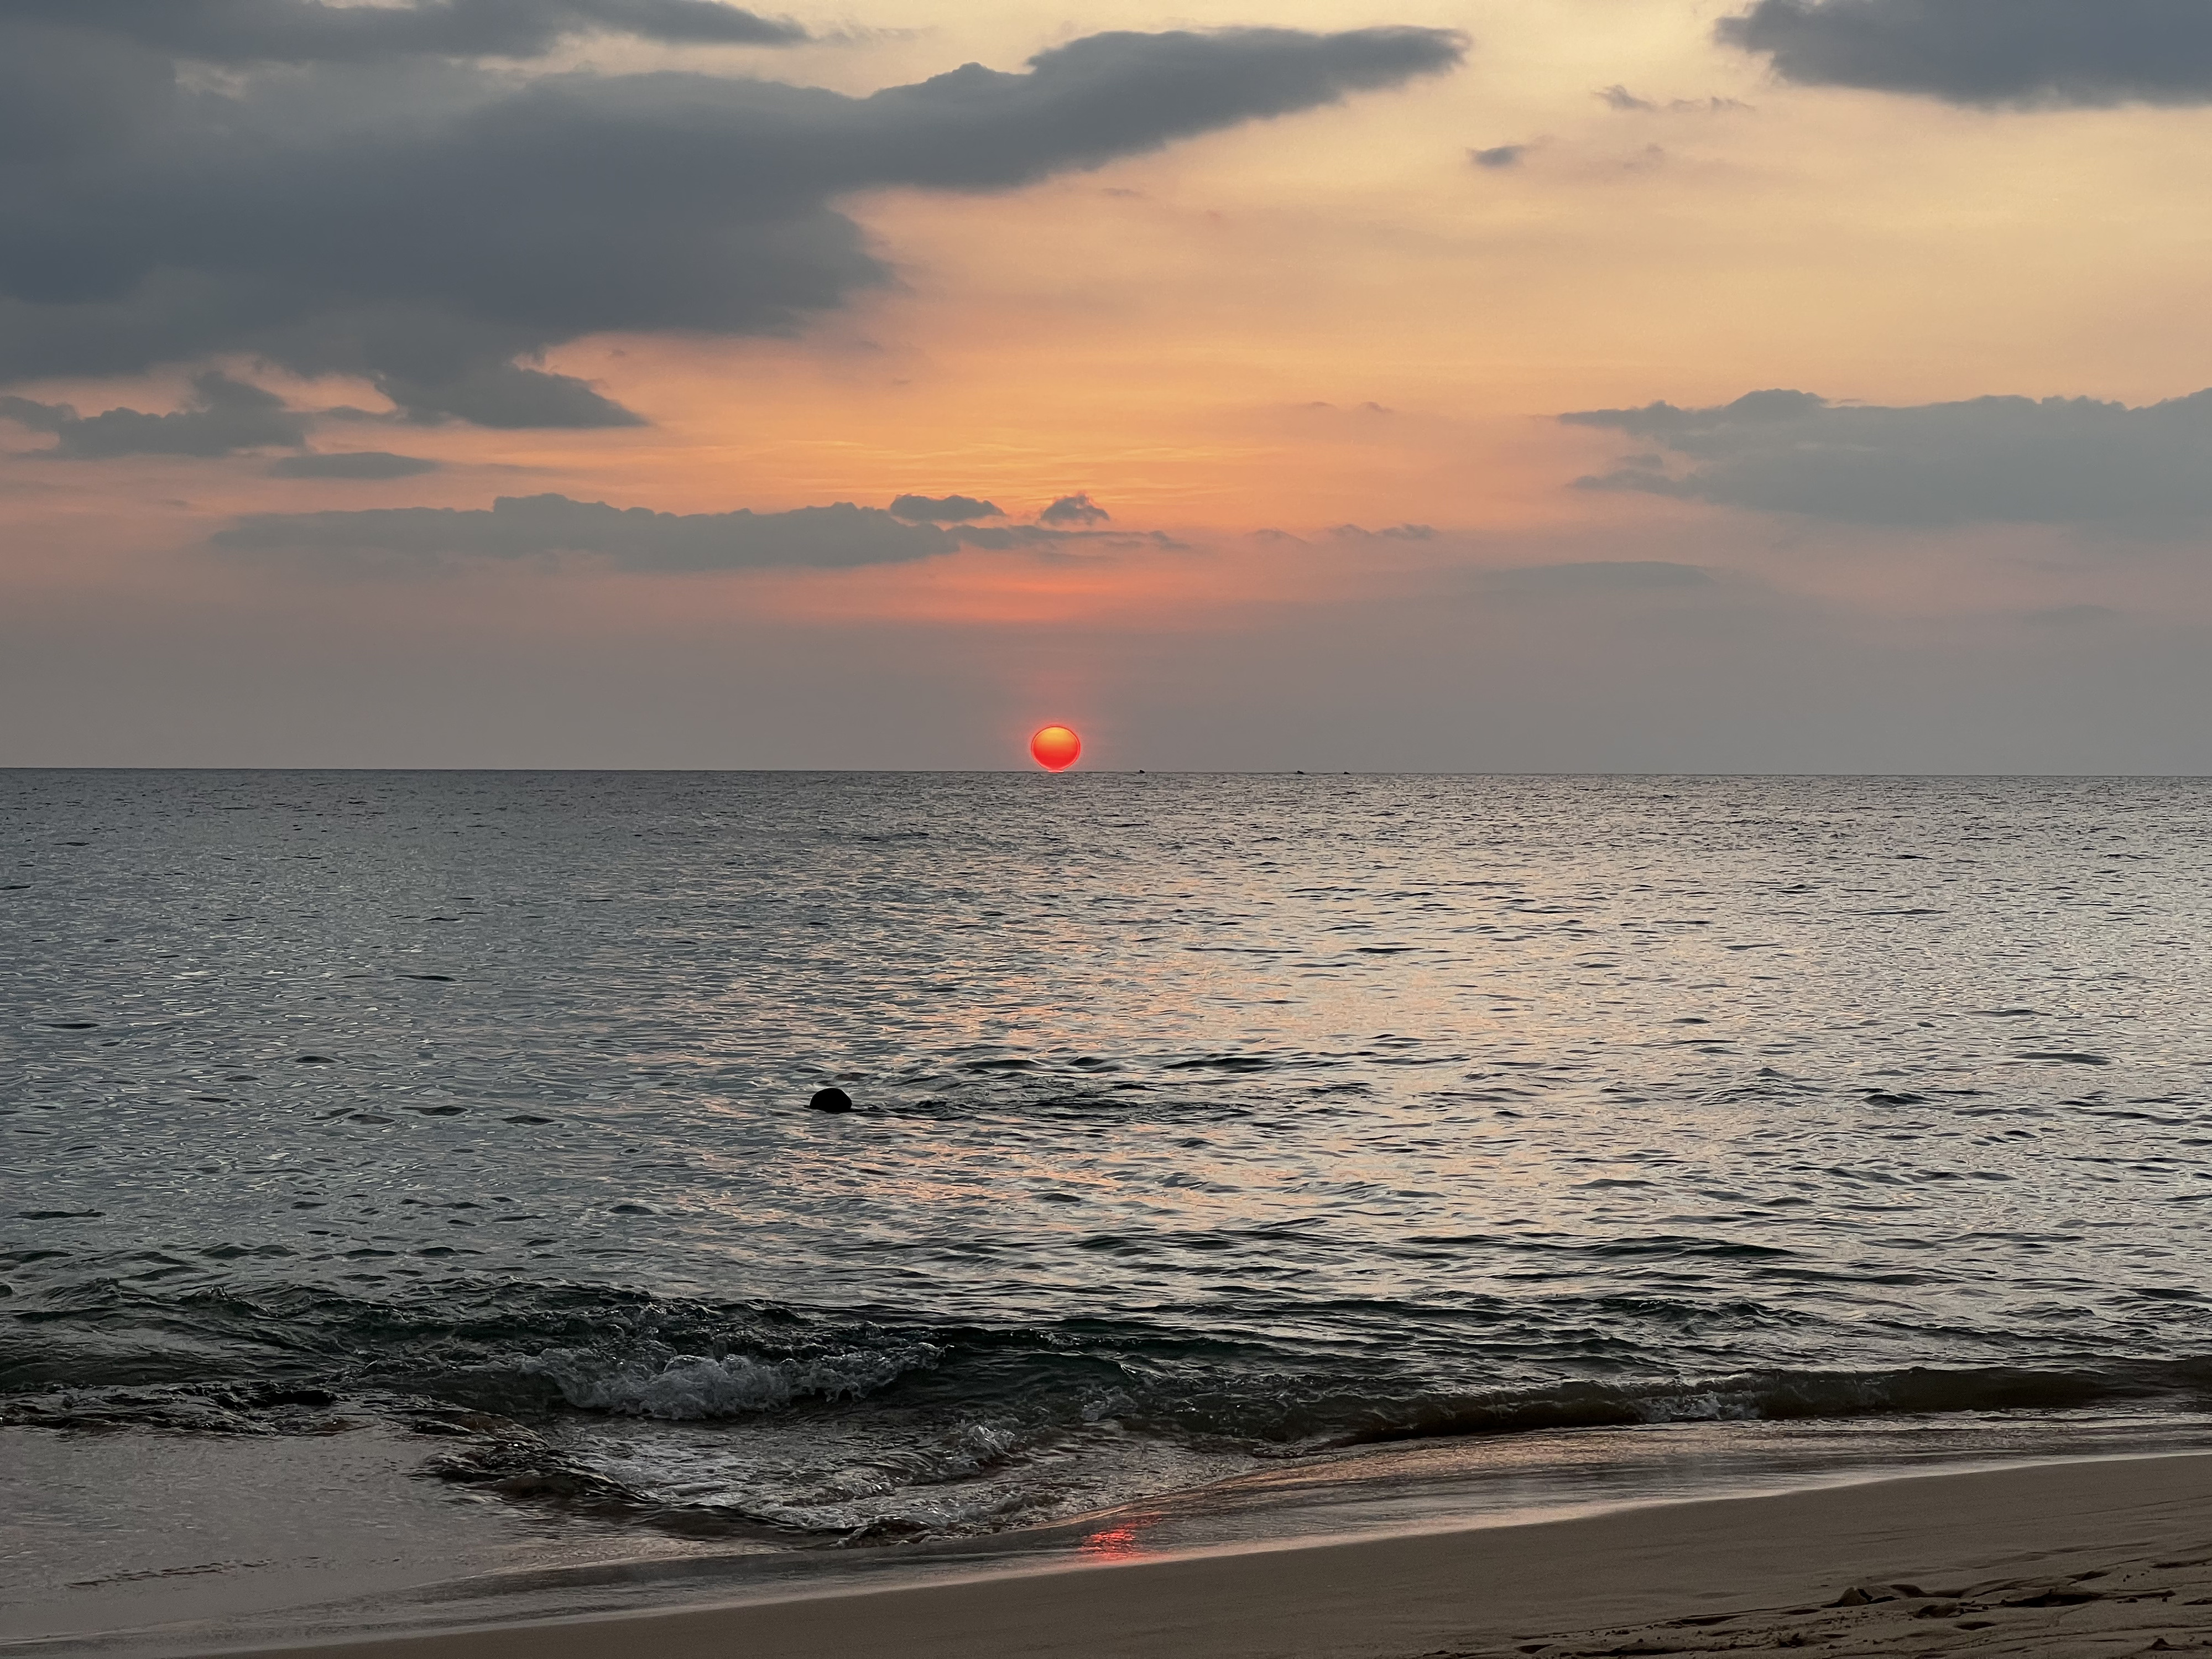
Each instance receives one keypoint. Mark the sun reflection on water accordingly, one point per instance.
(1119, 1542)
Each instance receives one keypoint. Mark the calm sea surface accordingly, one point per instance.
(1204, 1122)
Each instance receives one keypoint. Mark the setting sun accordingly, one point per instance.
(1056, 747)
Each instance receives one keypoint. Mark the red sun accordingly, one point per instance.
(1055, 748)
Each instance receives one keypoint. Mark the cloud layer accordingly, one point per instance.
(1988, 461)
(942, 509)
(372, 208)
(245, 31)
(224, 417)
(2051, 52)
(632, 539)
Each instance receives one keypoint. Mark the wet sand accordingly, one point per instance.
(2090, 1557)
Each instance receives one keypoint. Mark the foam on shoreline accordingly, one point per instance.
(2087, 1556)
(172, 1544)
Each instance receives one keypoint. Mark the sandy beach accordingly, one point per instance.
(2103, 1557)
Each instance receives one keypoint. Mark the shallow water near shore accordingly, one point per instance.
(1211, 1128)
(215, 1545)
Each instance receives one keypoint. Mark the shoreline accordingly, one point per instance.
(1993, 1558)
(344, 1543)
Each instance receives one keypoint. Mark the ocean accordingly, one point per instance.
(410, 1192)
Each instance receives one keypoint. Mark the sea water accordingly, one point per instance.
(1404, 1148)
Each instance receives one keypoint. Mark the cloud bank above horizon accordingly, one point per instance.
(840, 536)
(2054, 460)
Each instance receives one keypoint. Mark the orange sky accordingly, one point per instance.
(1330, 318)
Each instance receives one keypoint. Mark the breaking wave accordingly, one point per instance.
(686, 1387)
(760, 1416)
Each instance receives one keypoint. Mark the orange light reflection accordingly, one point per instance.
(1118, 1543)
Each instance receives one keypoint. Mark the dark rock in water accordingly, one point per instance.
(831, 1100)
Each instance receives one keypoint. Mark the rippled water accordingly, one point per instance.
(1204, 1120)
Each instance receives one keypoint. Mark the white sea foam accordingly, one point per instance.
(1698, 1407)
(692, 1388)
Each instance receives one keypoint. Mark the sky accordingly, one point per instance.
(1649, 385)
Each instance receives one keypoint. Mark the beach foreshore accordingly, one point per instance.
(2105, 1556)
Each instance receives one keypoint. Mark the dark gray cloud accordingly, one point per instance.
(367, 464)
(1618, 97)
(242, 31)
(1988, 461)
(1076, 509)
(942, 509)
(1498, 155)
(224, 416)
(437, 226)
(635, 538)
(2047, 52)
